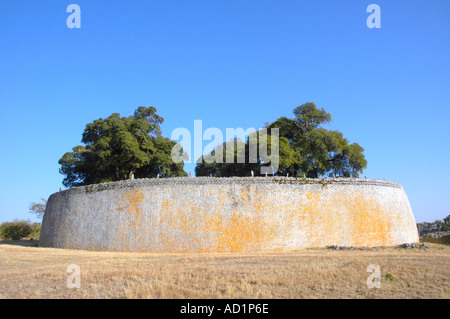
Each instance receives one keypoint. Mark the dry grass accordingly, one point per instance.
(32, 272)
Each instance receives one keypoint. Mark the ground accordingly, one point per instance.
(27, 271)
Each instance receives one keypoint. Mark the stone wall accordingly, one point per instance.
(229, 215)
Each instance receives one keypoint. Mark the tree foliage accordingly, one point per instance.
(305, 149)
(117, 146)
(435, 226)
(38, 209)
(15, 230)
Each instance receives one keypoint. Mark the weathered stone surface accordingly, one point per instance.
(229, 215)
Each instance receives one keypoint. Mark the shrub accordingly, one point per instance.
(443, 240)
(389, 277)
(15, 230)
(35, 231)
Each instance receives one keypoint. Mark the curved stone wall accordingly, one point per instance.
(229, 215)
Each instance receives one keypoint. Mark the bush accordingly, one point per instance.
(15, 230)
(35, 231)
(389, 277)
(443, 240)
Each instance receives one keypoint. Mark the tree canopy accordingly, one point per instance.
(117, 146)
(38, 209)
(305, 149)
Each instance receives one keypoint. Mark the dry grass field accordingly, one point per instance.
(32, 272)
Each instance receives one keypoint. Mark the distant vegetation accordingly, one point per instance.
(38, 209)
(436, 226)
(24, 229)
(19, 229)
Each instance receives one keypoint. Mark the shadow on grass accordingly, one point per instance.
(24, 243)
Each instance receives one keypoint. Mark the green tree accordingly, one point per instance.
(38, 209)
(446, 221)
(305, 149)
(215, 164)
(236, 158)
(116, 147)
(328, 153)
(35, 231)
(439, 225)
(15, 230)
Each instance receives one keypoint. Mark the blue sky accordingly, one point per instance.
(230, 64)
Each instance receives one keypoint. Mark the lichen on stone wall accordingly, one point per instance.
(236, 214)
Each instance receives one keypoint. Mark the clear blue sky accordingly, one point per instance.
(230, 64)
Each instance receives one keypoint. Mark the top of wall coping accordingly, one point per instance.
(136, 183)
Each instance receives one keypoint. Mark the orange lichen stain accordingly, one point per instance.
(370, 223)
(134, 199)
(244, 194)
(235, 234)
(253, 220)
(133, 225)
(241, 232)
(325, 219)
(311, 219)
(311, 196)
(245, 230)
(180, 225)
